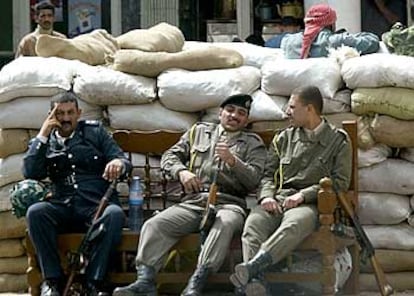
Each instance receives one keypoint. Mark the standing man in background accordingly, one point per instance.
(44, 17)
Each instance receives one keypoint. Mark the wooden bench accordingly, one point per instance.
(158, 195)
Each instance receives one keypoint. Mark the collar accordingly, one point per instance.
(39, 30)
(322, 134)
(228, 135)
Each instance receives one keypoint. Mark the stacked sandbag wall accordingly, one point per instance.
(383, 96)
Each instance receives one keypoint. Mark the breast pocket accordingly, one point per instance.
(199, 153)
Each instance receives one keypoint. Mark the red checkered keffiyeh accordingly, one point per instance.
(317, 17)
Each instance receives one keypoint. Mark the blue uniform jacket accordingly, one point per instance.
(75, 168)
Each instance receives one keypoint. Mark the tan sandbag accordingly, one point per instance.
(13, 282)
(11, 227)
(373, 155)
(392, 175)
(392, 131)
(392, 261)
(407, 154)
(5, 204)
(16, 265)
(151, 64)
(14, 141)
(365, 139)
(89, 48)
(11, 169)
(11, 248)
(161, 37)
(392, 237)
(394, 101)
(400, 281)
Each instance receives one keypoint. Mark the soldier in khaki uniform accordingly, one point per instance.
(240, 157)
(297, 159)
(44, 17)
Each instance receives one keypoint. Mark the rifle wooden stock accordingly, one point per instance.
(80, 257)
(363, 240)
(210, 211)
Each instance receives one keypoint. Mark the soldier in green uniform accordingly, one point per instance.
(240, 158)
(298, 158)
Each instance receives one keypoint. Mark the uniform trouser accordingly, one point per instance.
(278, 234)
(162, 231)
(46, 220)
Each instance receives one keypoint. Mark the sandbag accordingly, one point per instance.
(393, 101)
(5, 204)
(14, 141)
(149, 117)
(161, 37)
(13, 282)
(36, 109)
(365, 139)
(282, 76)
(383, 208)
(392, 131)
(11, 169)
(11, 227)
(253, 55)
(400, 281)
(151, 64)
(378, 70)
(264, 107)
(392, 176)
(187, 91)
(17, 265)
(36, 76)
(10, 248)
(407, 154)
(392, 261)
(391, 237)
(373, 155)
(340, 103)
(90, 48)
(102, 86)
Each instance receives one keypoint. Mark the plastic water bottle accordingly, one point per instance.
(135, 217)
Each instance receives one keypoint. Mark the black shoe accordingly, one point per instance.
(143, 286)
(94, 289)
(197, 281)
(50, 288)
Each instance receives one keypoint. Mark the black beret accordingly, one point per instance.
(242, 100)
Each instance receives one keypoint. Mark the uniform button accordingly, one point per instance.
(73, 166)
(95, 157)
(75, 186)
(54, 164)
(73, 173)
(70, 155)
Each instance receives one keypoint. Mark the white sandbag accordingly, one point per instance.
(161, 37)
(187, 91)
(264, 107)
(399, 237)
(148, 117)
(365, 139)
(11, 227)
(36, 76)
(13, 141)
(394, 101)
(373, 155)
(11, 169)
(379, 70)
(282, 76)
(383, 208)
(340, 103)
(151, 64)
(391, 175)
(13, 282)
(5, 204)
(392, 261)
(407, 154)
(253, 55)
(11, 248)
(103, 86)
(35, 111)
(392, 131)
(90, 48)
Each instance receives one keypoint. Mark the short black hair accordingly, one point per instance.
(310, 95)
(43, 6)
(64, 97)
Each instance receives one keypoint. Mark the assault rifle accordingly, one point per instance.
(79, 260)
(210, 211)
(367, 248)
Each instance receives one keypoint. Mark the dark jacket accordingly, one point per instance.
(75, 168)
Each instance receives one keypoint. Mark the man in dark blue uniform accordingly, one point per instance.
(81, 159)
